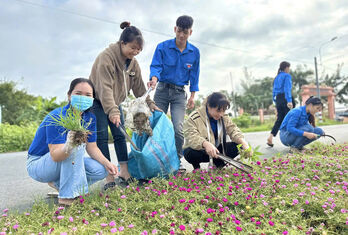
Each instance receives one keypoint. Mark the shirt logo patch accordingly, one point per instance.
(188, 66)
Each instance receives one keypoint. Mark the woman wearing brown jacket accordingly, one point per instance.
(114, 73)
(205, 133)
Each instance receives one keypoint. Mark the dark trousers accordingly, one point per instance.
(103, 123)
(282, 110)
(195, 157)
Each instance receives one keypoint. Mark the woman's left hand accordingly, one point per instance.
(154, 107)
(111, 168)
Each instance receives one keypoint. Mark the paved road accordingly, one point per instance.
(18, 191)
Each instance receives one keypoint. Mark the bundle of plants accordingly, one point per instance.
(72, 122)
(138, 117)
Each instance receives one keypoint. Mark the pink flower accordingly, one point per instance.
(209, 220)
(154, 231)
(182, 227)
(285, 232)
(131, 226)
(5, 210)
(258, 163)
(239, 228)
(60, 217)
(103, 225)
(123, 196)
(112, 224)
(271, 223)
(199, 230)
(182, 200)
(236, 203)
(15, 226)
(71, 219)
(113, 230)
(121, 228)
(294, 202)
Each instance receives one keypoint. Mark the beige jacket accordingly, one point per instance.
(197, 125)
(112, 82)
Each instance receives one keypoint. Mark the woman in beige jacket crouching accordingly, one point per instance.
(205, 133)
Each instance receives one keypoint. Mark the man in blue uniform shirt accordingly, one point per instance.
(175, 64)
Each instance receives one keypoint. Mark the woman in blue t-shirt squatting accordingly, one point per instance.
(52, 157)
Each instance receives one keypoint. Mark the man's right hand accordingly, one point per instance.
(152, 83)
(210, 149)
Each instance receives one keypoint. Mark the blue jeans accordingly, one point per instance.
(292, 140)
(174, 96)
(103, 123)
(72, 180)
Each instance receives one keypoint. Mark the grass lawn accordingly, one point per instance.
(304, 193)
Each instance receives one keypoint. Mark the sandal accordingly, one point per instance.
(109, 185)
(66, 202)
(270, 145)
(122, 182)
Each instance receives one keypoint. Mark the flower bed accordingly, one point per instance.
(292, 194)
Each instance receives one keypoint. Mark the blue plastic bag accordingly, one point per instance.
(157, 155)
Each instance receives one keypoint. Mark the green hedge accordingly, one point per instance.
(16, 138)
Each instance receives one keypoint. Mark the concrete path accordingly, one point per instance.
(18, 191)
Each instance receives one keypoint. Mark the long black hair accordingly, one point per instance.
(283, 65)
(314, 101)
(130, 34)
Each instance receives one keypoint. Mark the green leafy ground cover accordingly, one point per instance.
(304, 193)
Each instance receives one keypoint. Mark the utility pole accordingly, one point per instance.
(233, 96)
(316, 76)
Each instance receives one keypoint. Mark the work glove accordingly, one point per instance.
(69, 146)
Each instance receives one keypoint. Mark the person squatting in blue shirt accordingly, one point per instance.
(282, 97)
(298, 127)
(175, 64)
(52, 156)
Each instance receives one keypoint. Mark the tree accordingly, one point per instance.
(20, 107)
(339, 83)
(14, 102)
(300, 76)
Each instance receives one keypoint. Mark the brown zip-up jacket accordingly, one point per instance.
(196, 131)
(108, 76)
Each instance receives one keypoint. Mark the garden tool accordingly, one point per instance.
(241, 166)
(124, 132)
(325, 135)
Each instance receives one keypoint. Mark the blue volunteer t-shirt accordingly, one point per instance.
(170, 65)
(49, 133)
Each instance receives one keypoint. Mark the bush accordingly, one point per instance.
(16, 138)
(242, 121)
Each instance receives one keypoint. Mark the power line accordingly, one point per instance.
(118, 23)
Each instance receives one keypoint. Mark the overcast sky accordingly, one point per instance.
(45, 44)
